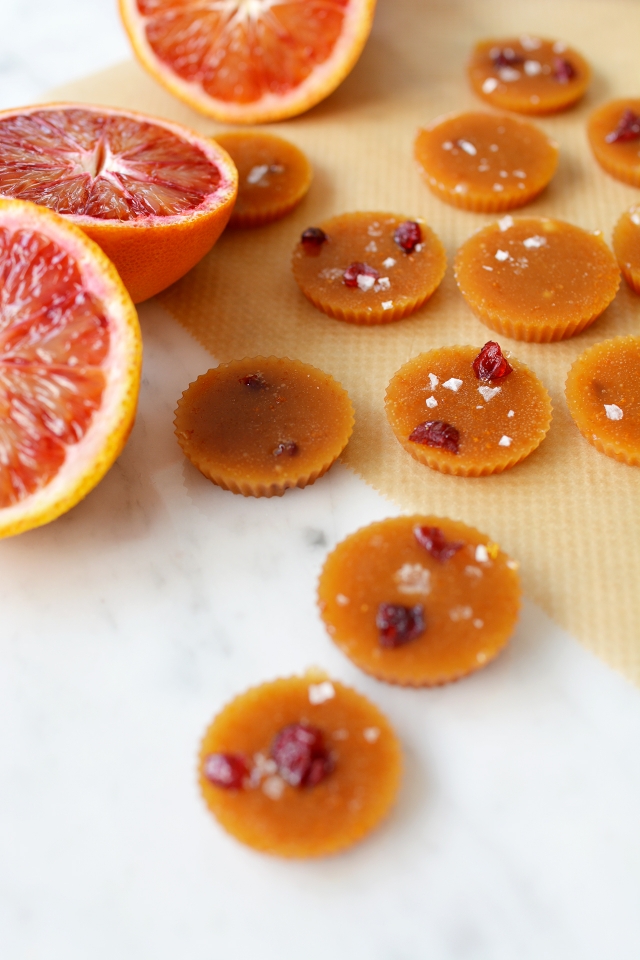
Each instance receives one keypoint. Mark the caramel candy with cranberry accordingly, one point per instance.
(468, 412)
(626, 246)
(528, 75)
(273, 176)
(614, 135)
(536, 279)
(603, 395)
(300, 767)
(260, 425)
(369, 268)
(462, 590)
(483, 162)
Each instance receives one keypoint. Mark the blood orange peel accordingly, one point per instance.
(248, 61)
(153, 194)
(70, 357)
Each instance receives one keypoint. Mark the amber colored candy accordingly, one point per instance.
(369, 269)
(626, 246)
(483, 162)
(470, 599)
(528, 74)
(498, 422)
(536, 279)
(614, 134)
(603, 395)
(260, 425)
(273, 176)
(270, 814)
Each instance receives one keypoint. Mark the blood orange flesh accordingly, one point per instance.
(155, 196)
(249, 60)
(69, 365)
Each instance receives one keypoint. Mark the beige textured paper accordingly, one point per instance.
(570, 514)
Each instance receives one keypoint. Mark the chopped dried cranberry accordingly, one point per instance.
(563, 70)
(226, 770)
(313, 237)
(397, 624)
(255, 381)
(490, 364)
(437, 433)
(357, 269)
(408, 235)
(286, 446)
(301, 756)
(505, 58)
(434, 540)
(628, 128)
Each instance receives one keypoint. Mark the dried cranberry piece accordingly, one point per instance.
(408, 235)
(357, 269)
(255, 381)
(286, 446)
(226, 770)
(398, 624)
(437, 433)
(563, 70)
(301, 756)
(434, 540)
(313, 237)
(505, 58)
(628, 128)
(491, 364)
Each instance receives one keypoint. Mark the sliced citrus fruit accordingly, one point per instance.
(248, 61)
(154, 195)
(70, 354)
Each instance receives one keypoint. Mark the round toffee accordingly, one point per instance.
(626, 246)
(368, 268)
(468, 412)
(260, 425)
(536, 279)
(419, 601)
(528, 75)
(614, 134)
(300, 767)
(483, 162)
(273, 176)
(603, 395)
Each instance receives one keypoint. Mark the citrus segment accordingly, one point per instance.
(152, 194)
(248, 61)
(69, 365)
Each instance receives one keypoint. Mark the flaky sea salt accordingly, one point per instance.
(320, 692)
(511, 413)
(341, 600)
(508, 74)
(371, 734)
(613, 411)
(482, 554)
(505, 223)
(431, 402)
(488, 393)
(387, 304)
(532, 243)
(532, 68)
(460, 613)
(452, 384)
(433, 381)
(273, 787)
(489, 85)
(365, 282)
(501, 255)
(388, 263)
(384, 283)
(505, 441)
(413, 578)
(468, 147)
(256, 174)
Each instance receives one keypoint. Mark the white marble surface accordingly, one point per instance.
(127, 623)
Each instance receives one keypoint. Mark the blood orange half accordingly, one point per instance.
(248, 61)
(70, 355)
(154, 195)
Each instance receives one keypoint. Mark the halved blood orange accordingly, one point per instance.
(248, 61)
(70, 354)
(154, 195)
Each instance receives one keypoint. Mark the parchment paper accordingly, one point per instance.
(568, 513)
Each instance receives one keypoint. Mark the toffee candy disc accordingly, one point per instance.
(536, 279)
(528, 75)
(300, 767)
(603, 395)
(454, 421)
(483, 162)
(419, 601)
(260, 425)
(369, 268)
(273, 176)
(626, 246)
(614, 135)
